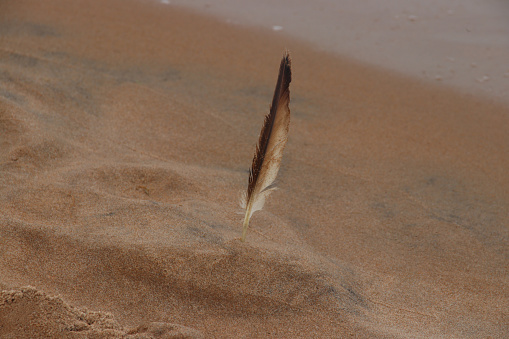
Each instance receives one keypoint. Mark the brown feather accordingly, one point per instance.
(272, 140)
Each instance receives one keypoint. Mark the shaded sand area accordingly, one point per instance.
(126, 132)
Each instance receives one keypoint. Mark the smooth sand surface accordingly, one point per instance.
(126, 132)
(462, 44)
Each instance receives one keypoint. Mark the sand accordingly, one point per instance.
(126, 132)
(462, 44)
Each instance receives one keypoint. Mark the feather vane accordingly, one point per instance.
(271, 143)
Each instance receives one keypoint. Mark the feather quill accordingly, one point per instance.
(271, 143)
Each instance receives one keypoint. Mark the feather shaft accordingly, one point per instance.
(271, 143)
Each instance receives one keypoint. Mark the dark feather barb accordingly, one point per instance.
(271, 143)
(281, 92)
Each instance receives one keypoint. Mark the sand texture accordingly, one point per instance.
(463, 44)
(126, 132)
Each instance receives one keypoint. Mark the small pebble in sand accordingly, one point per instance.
(473, 65)
(438, 78)
(166, 2)
(277, 28)
(412, 18)
(484, 78)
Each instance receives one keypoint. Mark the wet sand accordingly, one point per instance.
(126, 132)
(460, 44)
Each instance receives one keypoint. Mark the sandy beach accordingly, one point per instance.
(127, 129)
(460, 44)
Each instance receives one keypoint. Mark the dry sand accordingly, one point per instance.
(126, 131)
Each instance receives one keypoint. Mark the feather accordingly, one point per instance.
(269, 151)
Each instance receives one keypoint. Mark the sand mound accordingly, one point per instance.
(29, 313)
(231, 280)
